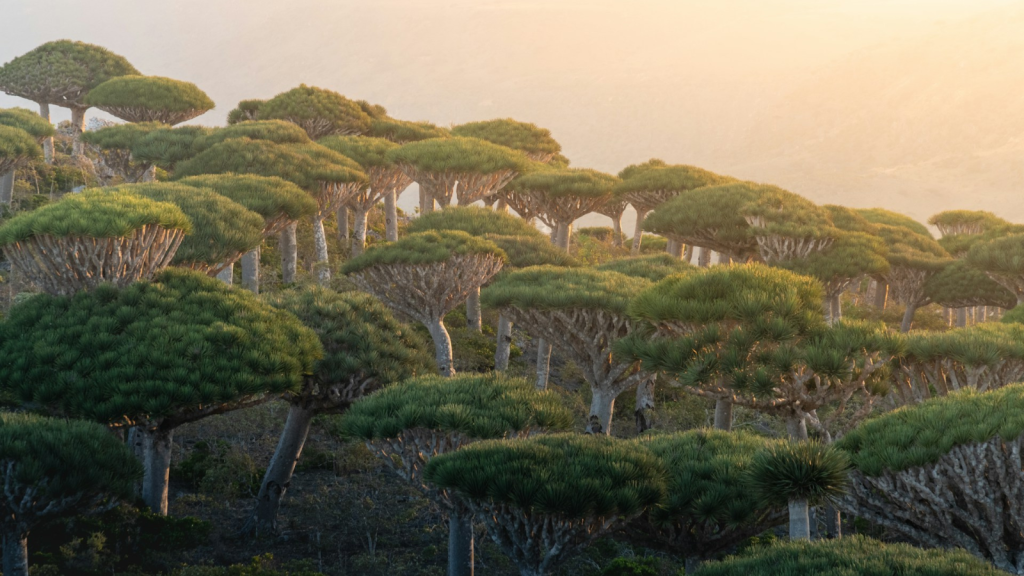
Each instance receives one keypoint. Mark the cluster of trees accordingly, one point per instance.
(131, 333)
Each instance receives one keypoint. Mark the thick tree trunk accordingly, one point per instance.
(644, 406)
(503, 345)
(961, 317)
(157, 466)
(617, 231)
(15, 561)
(227, 275)
(460, 544)
(323, 263)
(799, 520)
(674, 248)
(602, 405)
(833, 522)
(543, 363)
(562, 234)
(442, 348)
(77, 129)
(342, 217)
(391, 216)
(881, 295)
(44, 111)
(908, 318)
(359, 232)
(704, 260)
(473, 318)
(688, 254)
(251, 270)
(289, 248)
(796, 426)
(426, 200)
(7, 188)
(723, 415)
(150, 174)
(638, 233)
(282, 466)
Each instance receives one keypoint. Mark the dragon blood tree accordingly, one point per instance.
(317, 111)
(276, 131)
(36, 127)
(88, 239)
(365, 348)
(246, 111)
(787, 226)
(960, 286)
(165, 147)
(535, 142)
(560, 197)
(890, 218)
(468, 169)
(709, 506)
(945, 473)
(580, 312)
(614, 208)
(425, 276)
(913, 260)
(407, 424)
(17, 147)
(545, 498)
(150, 99)
(153, 355)
(1002, 259)
(386, 180)
(965, 222)
(647, 186)
(222, 230)
(278, 201)
(52, 468)
(115, 145)
(981, 358)
(62, 73)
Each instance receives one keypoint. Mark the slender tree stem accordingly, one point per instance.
(289, 252)
(78, 128)
(251, 270)
(342, 217)
(391, 216)
(602, 405)
(704, 260)
(15, 562)
(638, 232)
(7, 188)
(460, 544)
(157, 467)
(359, 232)
(323, 264)
(44, 111)
(282, 466)
(473, 315)
(503, 346)
(543, 363)
(908, 318)
(617, 231)
(797, 428)
(674, 248)
(227, 275)
(644, 405)
(723, 415)
(442, 347)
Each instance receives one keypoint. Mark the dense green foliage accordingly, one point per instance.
(560, 183)
(246, 111)
(365, 150)
(980, 345)
(921, 434)
(554, 287)
(851, 255)
(276, 131)
(960, 285)
(120, 136)
(846, 557)
(330, 167)
(423, 248)
(1014, 316)
(523, 251)
(474, 220)
(260, 157)
(713, 212)
(666, 178)
(168, 146)
(634, 170)
(513, 134)
(477, 405)
(973, 219)
(62, 72)
(28, 121)
(655, 267)
(808, 471)
(569, 475)
(318, 111)
(95, 214)
(402, 131)
(268, 196)
(911, 249)
(469, 155)
(783, 213)
(1002, 256)
(134, 98)
(890, 218)
(17, 146)
(154, 350)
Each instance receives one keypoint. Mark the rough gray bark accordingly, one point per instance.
(704, 260)
(15, 562)
(503, 345)
(359, 232)
(342, 217)
(602, 405)
(251, 270)
(7, 188)
(78, 128)
(391, 216)
(323, 264)
(674, 248)
(881, 294)
(638, 232)
(644, 406)
(833, 522)
(796, 426)
(617, 231)
(282, 466)
(227, 275)
(44, 111)
(961, 317)
(157, 465)
(908, 318)
(289, 248)
(723, 415)
(473, 318)
(543, 363)
(150, 174)
(688, 253)
(426, 200)
(442, 347)
(799, 520)
(460, 544)
(562, 235)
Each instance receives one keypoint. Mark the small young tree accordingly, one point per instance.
(535, 142)
(581, 313)
(545, 498)
(62, 73)
(1002, 260)
(913, 259)
(957, 225)
(408, 424)
(246, 111)
(800, 475)
(560, 197)
(115, 145)
(468, 169)
(30, 122)
(150, 99)
(317, 111)
(425, 276)
(92, 238)
(945, 473)
(52, 468)
(153, 355)
(365, 348)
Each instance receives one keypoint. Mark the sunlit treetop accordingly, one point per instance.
(890, 218)
(374, 111)
(150, 99)
(559, 161)
(555, 288)
(318, 111)
(710, 217)
(367, 151)
(120, 136)
(28, 121)
(403, 131)
(330, 166)
(849, 220)
(94, 214)
(536, 142)
(960, 244)
(654, 268)
(1003, 258)
(960, 285)
(911, 249)
(261, 157)
(474, 220)
(168, 146)
(659, 177)
(774, 211)
(985, 344)
(423, 248)
(957, 222)
(271, 197)
(634, 170)
(276, 131)
(467, 155)
(62, 72)
(246, 111)
(524, 251)
(557, 183)
(16, 147)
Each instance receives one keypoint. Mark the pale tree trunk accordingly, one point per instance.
(617, 231)
(289, 247)
(157, 447)
(426, 200)
(644, 406)
(638, 233)
(282, 466)
(44, 111)
(688, 254)
(342, 217)
(460, 544)
(227, 275)
(77, 129)
(501, 206)
(836, 306)
(881, 294)
(602, 405)
(7, 188)
(391, 216)
(15, 561)
(796, 426)
(323, 264)
(704, 260)
(908, 318)
(473, 318)
(543, 363)
(674, 248)
(359, 232)
(961, 317)
(442, 348)
(799, 520)
(503, 345)
(563, 232)
(150, 174)
(251, 270)
(723, 415)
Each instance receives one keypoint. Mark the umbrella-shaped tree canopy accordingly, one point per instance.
(535, 142)
(275, 199)
(150, 99)
(28, 121)
(246, 111)
(16, 147)
(318, 111)
(62, 72)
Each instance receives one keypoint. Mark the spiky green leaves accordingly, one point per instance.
(524, 251)
(656, 176)
(983, 345)
(120, 136)
(317, 111)
(960, 285)
(28, 121)
(403, 132)
(62, 72)
(179, 347)
(910, 249)
(890, 218)
(423, 248)
(571, 476)
(478, 406)
(474, 220)
(1003, 259)
(95, 214)
(150, 99)
(577, 182)
(920, 435)
(271, 197)
(276, 131)
(851, 255)
(536, 142)
(168, 146)
(466, 155)
(16, 147)
(246, 111)
(710, 217)
(958, 222)
(553, 288)
(808, 471)
(778, 212)
(654, 268)
(364, 150)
